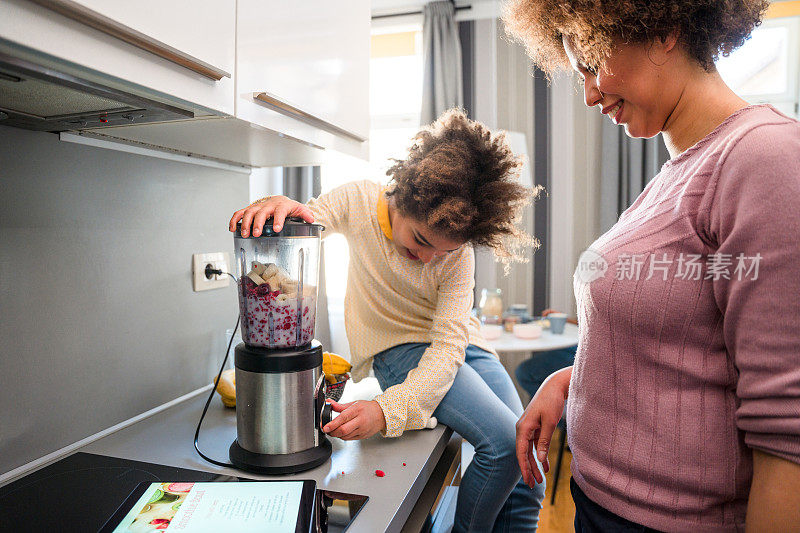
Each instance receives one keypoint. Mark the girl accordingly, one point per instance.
(408, 301)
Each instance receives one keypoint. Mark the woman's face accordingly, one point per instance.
(415, 241)
(634, 87)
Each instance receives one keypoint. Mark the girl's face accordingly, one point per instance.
(635, 87)
(416, 241)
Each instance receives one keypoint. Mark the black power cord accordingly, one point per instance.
(210, 271)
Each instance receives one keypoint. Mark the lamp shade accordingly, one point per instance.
(519, 144)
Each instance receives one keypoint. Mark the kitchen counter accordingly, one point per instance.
(166, 438)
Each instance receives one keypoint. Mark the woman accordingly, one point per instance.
(684, 400)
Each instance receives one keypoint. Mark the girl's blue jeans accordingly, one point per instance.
(482, 406)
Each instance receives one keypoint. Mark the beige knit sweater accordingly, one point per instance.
(392, 300)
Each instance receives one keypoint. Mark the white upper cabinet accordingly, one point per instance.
(177, 51)
(303, 70)
(251, 71)
(200, 31)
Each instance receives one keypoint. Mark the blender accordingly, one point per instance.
(280, 394)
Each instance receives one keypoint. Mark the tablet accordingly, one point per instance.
(205, 507)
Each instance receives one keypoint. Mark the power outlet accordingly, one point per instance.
(217, 260)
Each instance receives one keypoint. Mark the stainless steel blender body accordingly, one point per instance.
(280, 410)
(276, 413)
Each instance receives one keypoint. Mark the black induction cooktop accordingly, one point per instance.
(81, 491)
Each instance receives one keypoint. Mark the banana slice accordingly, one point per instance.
(274, 282)
(289, 286)
(270, 269)
(259, 268)
(255, 277)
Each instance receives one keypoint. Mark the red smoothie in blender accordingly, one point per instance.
(275, 314)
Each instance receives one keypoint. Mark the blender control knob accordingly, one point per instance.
(326, 415)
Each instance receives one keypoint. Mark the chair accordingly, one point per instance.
(562, 444)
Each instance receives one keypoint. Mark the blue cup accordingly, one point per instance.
(557, 322)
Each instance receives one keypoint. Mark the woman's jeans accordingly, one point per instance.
(592, 518)
(482, 406)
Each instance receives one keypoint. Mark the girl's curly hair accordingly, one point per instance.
(706, 28)
(460, 180)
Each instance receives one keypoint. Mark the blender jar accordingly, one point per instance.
(278, 273)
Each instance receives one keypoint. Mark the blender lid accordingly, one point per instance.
(292, 227)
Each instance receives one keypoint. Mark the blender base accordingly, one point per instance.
(289, 463)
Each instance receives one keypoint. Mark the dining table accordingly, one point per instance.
(512, 350)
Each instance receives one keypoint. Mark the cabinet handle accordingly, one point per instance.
(284, 108)
(92, 18)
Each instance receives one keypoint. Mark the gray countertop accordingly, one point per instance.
(166, 438)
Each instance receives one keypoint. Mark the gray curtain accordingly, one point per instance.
(628, 166)
(442, 84)
(302, 184)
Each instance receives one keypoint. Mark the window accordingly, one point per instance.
(766, 68)
(395, 104)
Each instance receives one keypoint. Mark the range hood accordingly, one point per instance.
(36, 94)
(35, 97)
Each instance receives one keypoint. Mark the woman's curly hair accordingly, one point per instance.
(706, 28)
(460, 180)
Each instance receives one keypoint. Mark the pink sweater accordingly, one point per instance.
(686, 367)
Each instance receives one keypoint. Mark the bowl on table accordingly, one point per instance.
(491, 332)
(530, 330)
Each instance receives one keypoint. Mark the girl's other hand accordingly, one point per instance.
(358, 420)
(536, 425)
(277, 207)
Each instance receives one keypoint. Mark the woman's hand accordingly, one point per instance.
(277, 207)
(358, 420)
(536, 425)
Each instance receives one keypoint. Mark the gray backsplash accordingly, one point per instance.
(98, 320)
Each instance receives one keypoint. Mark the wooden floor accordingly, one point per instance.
(558, 518)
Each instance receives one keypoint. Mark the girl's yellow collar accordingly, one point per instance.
(383, 215)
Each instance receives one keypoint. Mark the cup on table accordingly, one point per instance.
(557, 322)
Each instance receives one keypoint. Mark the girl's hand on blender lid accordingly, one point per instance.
(277, 207)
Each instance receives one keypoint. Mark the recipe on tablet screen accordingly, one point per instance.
(212, 507)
